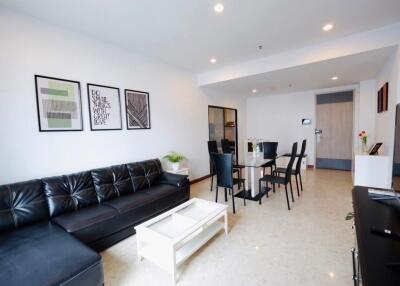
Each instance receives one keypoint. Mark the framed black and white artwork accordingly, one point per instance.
(137, 109)
(104, 107)
(59, 105)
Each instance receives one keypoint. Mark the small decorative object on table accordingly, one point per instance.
(255, 144)
(174, 159)
(364, 140)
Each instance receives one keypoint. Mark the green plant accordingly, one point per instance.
(174, 157)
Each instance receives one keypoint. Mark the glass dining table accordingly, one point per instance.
(253, 171)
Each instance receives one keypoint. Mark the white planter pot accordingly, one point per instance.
(175, 166)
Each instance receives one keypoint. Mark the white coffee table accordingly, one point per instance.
(170, 238)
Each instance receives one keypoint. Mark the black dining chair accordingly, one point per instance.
(297, 171)
(224, 169)
(226, 149)
(212, 148)
(270, 152)
(286, 180)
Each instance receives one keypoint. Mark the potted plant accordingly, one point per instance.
(174, 159)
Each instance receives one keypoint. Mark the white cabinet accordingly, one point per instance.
(373, 171)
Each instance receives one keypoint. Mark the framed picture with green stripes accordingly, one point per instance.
(59, 104)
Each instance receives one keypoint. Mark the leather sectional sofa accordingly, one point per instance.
(50, 229)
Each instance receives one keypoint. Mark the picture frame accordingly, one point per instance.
(104, 104)
(137, 109)
(59, 104)
(383, 98)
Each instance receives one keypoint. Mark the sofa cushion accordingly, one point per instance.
(160, 191)
(145, 174)
(91, 223)
(133, 201)
(44, 254)
(112, 182)
(69, 193)
(21, 204)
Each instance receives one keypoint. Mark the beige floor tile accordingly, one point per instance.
(266, 245)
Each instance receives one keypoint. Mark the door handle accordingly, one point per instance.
(318, 131)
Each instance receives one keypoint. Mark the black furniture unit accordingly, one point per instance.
(377, 256)
(50, 229)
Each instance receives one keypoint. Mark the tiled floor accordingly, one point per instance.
(266, 245)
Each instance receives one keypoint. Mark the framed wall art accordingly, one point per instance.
(104, 107)
(137, 109)
(383, 98)
(59, 105)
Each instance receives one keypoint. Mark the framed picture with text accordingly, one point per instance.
(104, 107)
(59, 105)
(137, 109)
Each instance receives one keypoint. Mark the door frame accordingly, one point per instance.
(236, 125)
(355, 105)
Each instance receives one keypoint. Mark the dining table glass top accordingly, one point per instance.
(257, 161)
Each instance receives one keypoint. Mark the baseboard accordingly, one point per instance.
(310, 166)
(199, 179)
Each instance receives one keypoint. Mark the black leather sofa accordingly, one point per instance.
(51, 229)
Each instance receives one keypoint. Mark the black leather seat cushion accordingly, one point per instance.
(112, 182)
(21, 204)
(69, 193)
(91, 223)
(44, 254)
(130, 202)
(147, 203)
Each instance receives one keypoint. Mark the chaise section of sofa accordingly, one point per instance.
(34, 251)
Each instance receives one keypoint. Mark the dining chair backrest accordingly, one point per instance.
(270, 150)
(226, 147)
(301, 155)
(224, 168)
(212, 147)
(291, 162)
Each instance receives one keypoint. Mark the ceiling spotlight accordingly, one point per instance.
(254, 91)
(335, 78)
(218, 8)
(327, 27)
(213, 60)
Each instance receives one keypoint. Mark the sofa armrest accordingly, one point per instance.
(173, 179)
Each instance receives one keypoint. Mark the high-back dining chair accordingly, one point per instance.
(270, 152)
(297, 170)
(226, 149)
(224, 169)
(286, 180)
(212, 148)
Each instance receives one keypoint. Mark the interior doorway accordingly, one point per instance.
(222, 124)
(334, 129)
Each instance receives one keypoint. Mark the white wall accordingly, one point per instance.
(178, 107)
(278, 118)
(385, 121)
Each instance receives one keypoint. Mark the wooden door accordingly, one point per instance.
(334, 129)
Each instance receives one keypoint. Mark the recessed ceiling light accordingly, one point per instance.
(254, 91)
(213, 60)
(218, 8)
(327, 27)
(335, 78)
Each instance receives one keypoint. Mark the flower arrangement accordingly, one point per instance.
(363, 137)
